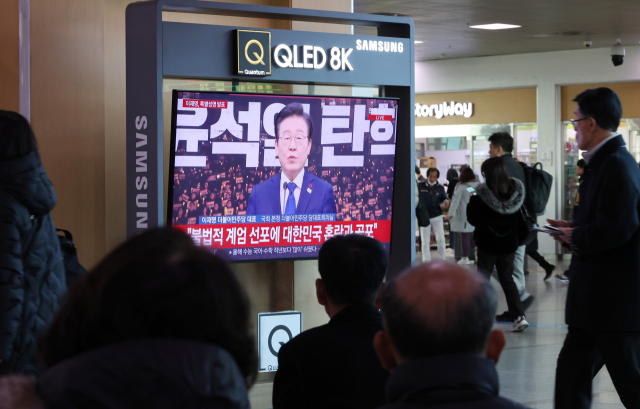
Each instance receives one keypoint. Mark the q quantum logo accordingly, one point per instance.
(254, 52)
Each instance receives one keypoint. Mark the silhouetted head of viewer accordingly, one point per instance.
(352, 269)
(159, 317)
(17, 139)
(434, 309)
(294, 129)
(32, 274)
(438, 340)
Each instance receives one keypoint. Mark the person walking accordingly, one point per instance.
(495, 213)
(435, 197)
(501, 144)
(603, 299)
(32, 276)
(457, 214)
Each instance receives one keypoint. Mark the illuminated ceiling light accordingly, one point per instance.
(418, 42)
(496, 26)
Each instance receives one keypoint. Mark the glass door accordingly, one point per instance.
(526, 142)
(634, 144)
(480, 153)
(570, 181)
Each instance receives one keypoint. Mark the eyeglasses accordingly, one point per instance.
(300, 139)
(573, 121)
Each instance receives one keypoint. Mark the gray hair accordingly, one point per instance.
(458, 325)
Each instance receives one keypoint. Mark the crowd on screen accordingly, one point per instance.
(223, 187)
(162, 323)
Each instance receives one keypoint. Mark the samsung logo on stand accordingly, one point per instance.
(381, 46)
(444, 109)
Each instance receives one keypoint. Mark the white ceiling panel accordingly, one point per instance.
(547, 25)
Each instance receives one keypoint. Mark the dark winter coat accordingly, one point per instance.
(497, 223)
(147, 374)
(32, 277)
(424, 212)
(433, 196)
(333, 366)
(453, 381)
(514, 169)
(604, 292)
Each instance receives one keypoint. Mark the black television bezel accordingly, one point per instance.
(172, 156)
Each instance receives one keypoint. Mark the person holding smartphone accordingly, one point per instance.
(457, 214)
(603, 298)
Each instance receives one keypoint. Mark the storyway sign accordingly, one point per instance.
(274, 330)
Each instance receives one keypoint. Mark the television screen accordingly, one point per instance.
(260, 177)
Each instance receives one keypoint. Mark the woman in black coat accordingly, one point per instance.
(495, 213)
(32, 277)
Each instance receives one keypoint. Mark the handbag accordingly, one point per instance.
(526, 225)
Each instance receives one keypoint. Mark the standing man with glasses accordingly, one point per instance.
(293, 190)
(603, 300)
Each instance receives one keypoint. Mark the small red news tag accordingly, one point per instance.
(380, 117)
(203, 103)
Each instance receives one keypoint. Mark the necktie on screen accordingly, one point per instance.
(291, 201)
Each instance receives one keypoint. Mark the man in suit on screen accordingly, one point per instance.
(293, 190)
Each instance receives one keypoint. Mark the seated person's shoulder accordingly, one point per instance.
(304, 342)
(504, 403)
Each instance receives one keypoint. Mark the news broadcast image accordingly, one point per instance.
(238, 192)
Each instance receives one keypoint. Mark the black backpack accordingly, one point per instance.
(538, 188)
(72, 267)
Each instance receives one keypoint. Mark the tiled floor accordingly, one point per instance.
(528, 362)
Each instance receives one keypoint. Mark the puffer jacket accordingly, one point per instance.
(458, 209)
(32, 277)
(147, 374)
(497, 223)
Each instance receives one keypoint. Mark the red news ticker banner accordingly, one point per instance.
(282, 234)
(380, 118)
(203, 103)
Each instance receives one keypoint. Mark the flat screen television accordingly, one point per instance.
(248, 196)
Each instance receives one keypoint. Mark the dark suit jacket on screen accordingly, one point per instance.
(604, 292)
(265, 197)
(334, 365)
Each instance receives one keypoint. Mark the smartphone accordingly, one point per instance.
(471, 190)
(549, 229)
